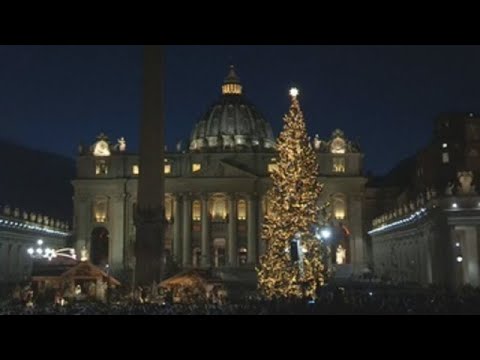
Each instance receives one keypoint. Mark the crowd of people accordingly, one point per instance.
(329, 301)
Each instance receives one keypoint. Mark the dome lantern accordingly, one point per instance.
(231, 84)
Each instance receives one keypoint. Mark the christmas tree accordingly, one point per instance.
(292, 265)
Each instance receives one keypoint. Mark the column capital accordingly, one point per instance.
(204, 196)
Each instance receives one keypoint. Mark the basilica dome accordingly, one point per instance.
(232, 123)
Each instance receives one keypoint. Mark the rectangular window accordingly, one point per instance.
(135, 169)
(196, 211)
(168, 169)
(445, 158)
(242, 210)
(196, 167)
(100, 209)
(338, 165)
(101, 167)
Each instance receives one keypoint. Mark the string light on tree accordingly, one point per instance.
(292, 264)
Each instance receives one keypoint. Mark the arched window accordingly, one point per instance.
(339, 207)
(196, 211)
(219, 208)
(242, 209)
(101, 167)
(338, 165)
(100, 209)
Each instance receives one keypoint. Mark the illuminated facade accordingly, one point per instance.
(19, 231)
(430, 230)
(215, 191)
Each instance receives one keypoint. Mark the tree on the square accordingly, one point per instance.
(293, 262)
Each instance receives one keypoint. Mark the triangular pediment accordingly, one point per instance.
(224, 169)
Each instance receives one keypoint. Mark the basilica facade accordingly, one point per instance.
(216, 192)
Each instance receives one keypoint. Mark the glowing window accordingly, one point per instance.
(196, 167)
(168, 208)
(100, 209)
(242, 210)
(101, 167)
(196, 211)
(339, 208)
(338, 165)
(135, 170)
(219, 209)
(445, 158)
(168, 169)
(235, 89)
(340, 211)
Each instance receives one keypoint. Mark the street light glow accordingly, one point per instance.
(326, 233)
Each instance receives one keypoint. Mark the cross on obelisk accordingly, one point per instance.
(149, 212)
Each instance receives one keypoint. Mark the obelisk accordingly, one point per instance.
(149, 212)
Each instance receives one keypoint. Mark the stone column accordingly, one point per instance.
(356, 239)
(232, 231)
(252, 230)
(116, 219)
(187, 230)
(205, 232)
(82, 222)
(177, 228)
(457, 273)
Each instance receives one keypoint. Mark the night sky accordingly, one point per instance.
(55, 97)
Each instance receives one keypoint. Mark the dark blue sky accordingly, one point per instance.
(55, 97)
